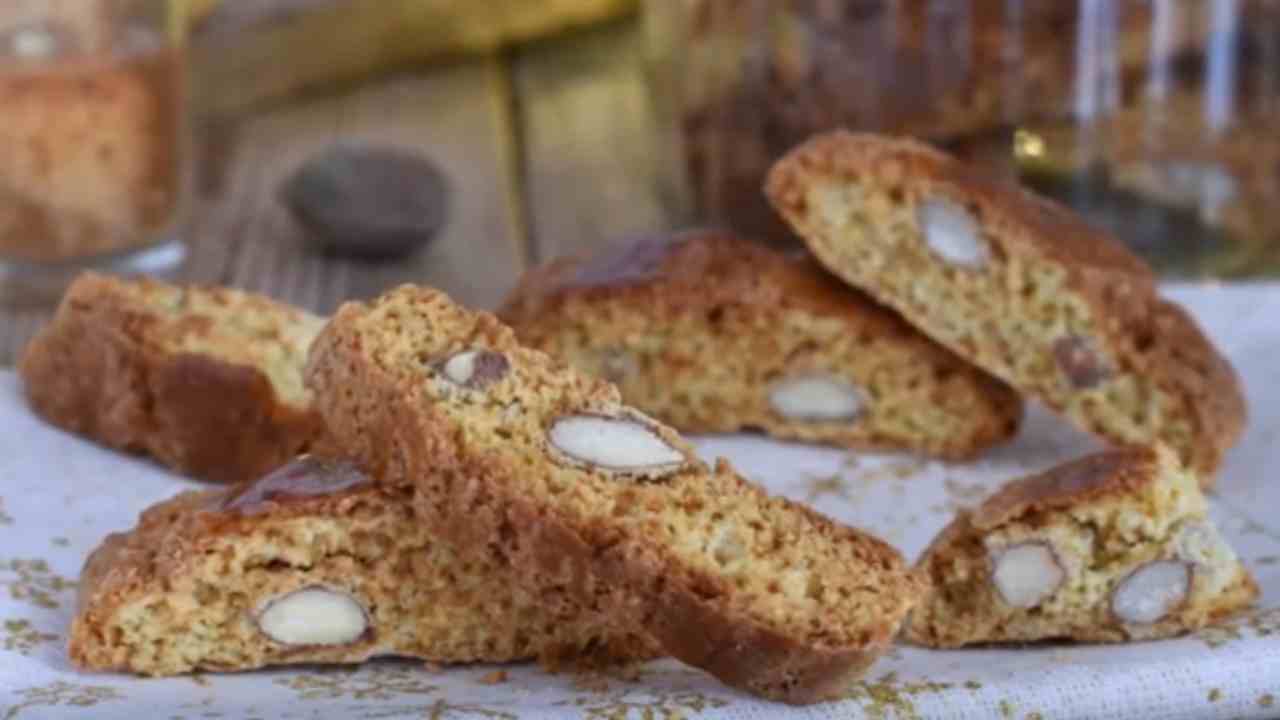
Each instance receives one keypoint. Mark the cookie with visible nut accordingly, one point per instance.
(709, 332)
(599, 507)
(312, 563)
(1018, 285)
(206, 380)
(1113, 547)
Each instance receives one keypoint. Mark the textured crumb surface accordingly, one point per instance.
(1035, 296)
(206, 380)
(182, 590)
(701, 329)
(1102, 519)
(765, 594)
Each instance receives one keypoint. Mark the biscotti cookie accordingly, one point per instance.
(1020, 286)
(1112, 547)
(596, 505)
(206, 380)
(712, 333)
(312, 563)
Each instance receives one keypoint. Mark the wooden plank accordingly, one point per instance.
(455, 115)
(248, 52)
(588, 141)
(242, 236)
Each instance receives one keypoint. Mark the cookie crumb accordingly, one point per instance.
(434, 667)
(1215, 695)
(1267, 700)
(497, 677)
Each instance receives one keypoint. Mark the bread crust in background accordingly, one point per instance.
(178, 592)
(201, 379)
(697, 328)
(1167, 383)
(580, 537)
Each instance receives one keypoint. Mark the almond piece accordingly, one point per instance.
(314, 615)
(475, 369)
(816, 397)
(1079, 362)
(304, 477)
(1027, 574)
(952, 234)
(1151, 592)
(1199, 543)
(623, 445)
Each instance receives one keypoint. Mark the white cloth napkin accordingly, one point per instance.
(59, 496)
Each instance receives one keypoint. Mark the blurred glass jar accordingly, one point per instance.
(1158, 118)
(94, 151)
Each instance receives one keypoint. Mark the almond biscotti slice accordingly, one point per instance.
(1020, 286)
(713, 333)
(1112, 547)
(596, 505)
(311, 563)
(206, 380)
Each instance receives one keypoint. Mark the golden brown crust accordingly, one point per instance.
(1118, 472)
(1154, 345)
(112, 366)
(372, 371)
(1049, 227)
(162, 559)
(696, 327)
(665, 275)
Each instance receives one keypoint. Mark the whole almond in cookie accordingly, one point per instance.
(315, 615)
(623, 444)
(475, 369)
(1027, 574)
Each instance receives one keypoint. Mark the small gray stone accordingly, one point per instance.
(367, 201)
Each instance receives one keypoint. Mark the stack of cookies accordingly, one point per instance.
(415, 478)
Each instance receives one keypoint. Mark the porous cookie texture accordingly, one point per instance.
(313, 563)
(1108, 548)
(1018, 285)
(713, 333)
(206, 380)
(599, 507)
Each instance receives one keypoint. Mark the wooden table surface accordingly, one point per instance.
(548, 148)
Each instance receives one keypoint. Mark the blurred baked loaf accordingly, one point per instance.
(93, 144)
(1112, 547)
(596, 505)
(206, 380)
(1019, 286)
(311, 564)
(77, 25)
(712, 333)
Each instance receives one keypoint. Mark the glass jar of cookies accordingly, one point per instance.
(1157, 118)
(93, 141)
